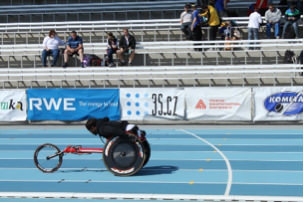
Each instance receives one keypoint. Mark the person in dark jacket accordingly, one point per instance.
(127, 44)
(111, 48)
(108, 129)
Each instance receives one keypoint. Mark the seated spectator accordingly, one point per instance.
(50, 47)
(255, 20)
(127, 44)
(111, 48)
(229, 32)
(74, 45)
(186, 21)
(292, 15)
(273, 17)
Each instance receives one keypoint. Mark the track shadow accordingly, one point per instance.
(156, 170)
(82, 170)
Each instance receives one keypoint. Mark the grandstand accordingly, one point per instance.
(160, 44)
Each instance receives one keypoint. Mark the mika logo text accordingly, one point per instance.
(11, 105)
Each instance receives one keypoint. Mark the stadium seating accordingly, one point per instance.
(160, 48)
(169, 53)
(143, 76)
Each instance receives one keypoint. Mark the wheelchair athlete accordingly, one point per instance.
(108, 129)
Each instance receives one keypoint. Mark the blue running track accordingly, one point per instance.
(194, 161)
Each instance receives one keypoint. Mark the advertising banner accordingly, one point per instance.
(12, 105)
(218, 103)
(278, 103)
(152, 103)
(72, 104)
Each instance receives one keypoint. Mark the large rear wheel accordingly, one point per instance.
(147, 151)
(123, 157)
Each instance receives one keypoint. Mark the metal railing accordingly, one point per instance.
(171, 53)
(166, 76)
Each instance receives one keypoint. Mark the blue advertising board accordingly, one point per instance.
(72, 104)
(287, 102)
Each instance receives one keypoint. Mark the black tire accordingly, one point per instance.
(48, 158)
(123, 157)
(147, 151)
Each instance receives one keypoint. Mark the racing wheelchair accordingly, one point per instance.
(121, 156)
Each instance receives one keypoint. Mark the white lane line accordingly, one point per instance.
(229, 181)
(149, 197)
(146, 182)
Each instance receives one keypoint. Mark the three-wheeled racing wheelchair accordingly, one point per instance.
(121, 156)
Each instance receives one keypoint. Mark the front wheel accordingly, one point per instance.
(48, 158)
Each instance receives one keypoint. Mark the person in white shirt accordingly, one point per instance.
(255, 20)
(186, 21)
(273, 17)
(51, 45)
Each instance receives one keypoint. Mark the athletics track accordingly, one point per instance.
(187, 163)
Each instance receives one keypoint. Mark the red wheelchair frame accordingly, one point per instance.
(121, 156)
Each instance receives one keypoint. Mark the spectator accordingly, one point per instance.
(186, 20)
(229, 32)
(196, 27)
(292, 15)
(255, 20)
(214, 21)
(221, 7)
(127, 44)
(50, 47)
(273, 17)
(111, 48)
(74, 45)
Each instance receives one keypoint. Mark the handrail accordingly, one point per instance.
(164, 71)
(172, 45)
(275, 74)
(154, 69)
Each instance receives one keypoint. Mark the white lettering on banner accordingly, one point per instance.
(38, 103)
(68, 104)
(294, 99)
(35, 102)
(98, 104)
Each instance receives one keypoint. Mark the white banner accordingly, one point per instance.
(278, 103)
(218, 103)
(152, 103)
(13, 105)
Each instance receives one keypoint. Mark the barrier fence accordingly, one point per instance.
(203, 104)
